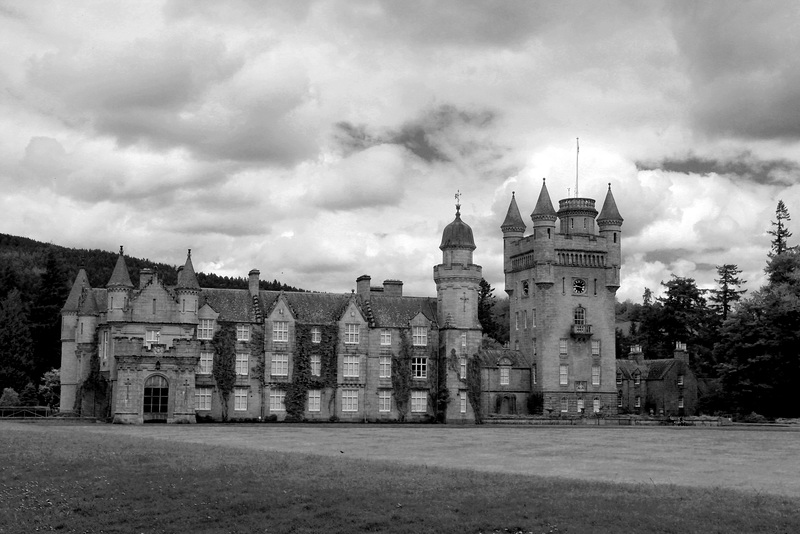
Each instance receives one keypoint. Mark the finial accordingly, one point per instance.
(120, 250)
(544, 180)
(458, 201)
(512, 194)
(189, 253)
(609, 186)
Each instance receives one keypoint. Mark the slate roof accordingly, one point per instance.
(544, 206)
(231, 304)
(187, 279)
(120, 277)
(73, 300)
(610, 212)
(490, 357)
(513, 220)
(396, 312)
(457, 234)
(310, 308)
(650, 369)
(88, 304)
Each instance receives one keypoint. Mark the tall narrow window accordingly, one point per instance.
(533, 319)
(314, 396)
(205, 329)
(384, 401)
(242, 361)
(595, 375)
(154, 306)
(525, 318)
(420, 336)
(564, 404)
(562, 346)
(462, 366)
(680, 380)
(206, 363)
(595, 347)
(596, 405)
(580, 405)
(463, 341)
(579, 315)
(316, 335)
(463, 402)
(316, 364)
(563, 374)
(516, 320)
(638, 402)
(680, 402)
(505, 373)
(385, 367)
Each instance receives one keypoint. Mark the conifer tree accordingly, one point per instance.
(728, 292)
(781, 233)
(16, 358)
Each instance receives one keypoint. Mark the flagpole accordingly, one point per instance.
(577, 154)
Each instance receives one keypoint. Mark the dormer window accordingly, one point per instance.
(637, 378)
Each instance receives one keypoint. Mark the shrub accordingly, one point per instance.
(9, 398)
(754, 418)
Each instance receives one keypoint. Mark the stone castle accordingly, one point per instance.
(149, 353)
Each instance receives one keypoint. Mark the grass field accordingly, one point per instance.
(330, 478)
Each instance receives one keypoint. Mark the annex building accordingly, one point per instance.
(175, 353)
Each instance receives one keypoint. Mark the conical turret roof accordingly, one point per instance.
(187, 279)
(457, 234)
(88, 304)
(610, 213)
(513, 221)
(120, 277)
(74, 298)
(544, 206)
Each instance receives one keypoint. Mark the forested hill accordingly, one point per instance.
(27, 260)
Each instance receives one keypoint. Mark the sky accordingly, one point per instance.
(318, 141)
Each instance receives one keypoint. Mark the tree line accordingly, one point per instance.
(35, 280)
(745, 346)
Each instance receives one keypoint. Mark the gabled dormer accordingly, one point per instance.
(280, 324)
(206, 322)
(353, 325)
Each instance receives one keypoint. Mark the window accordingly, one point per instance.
(595, 347)
(419, 367)
(638, 402)
(280, 365)
(314, 396)
(351, 334)
(350, 365)
(105, 345)
(349, 400)
(384, 401)
(516, 344)
(580, 315)
(205, 329)
(463, 341)
(619, 379)
(596, 405)
(202, 398)
(419, 401)
(242, 332)
(316, 364)
(562, 346)
(619, 399)
(420, 336)
(462, 366)
(385, 367)
(151, 337)
(280, 331)
(154, 306)
(533, 319)
(680, 380)
(637, 378)
(463, 402)
(206, 363)
(276, 397)
(564, 404)
(580, 405)
(525, 288)
(240, 399)
(595, 375)
(386, 337)
(680, 402)
(504, 376)
(242, 361)
(156, 395)
(563, 374)
(316, 334)
(525, 319)
(533, 374)
(516, 320)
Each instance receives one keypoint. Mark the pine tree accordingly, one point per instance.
(781, 232)
(46, 315)
(486, 301)
(16, 357)
(728, 292)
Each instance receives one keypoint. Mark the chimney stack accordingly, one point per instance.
(681, 352)
(393, 288)
(253, 281)
(636, 354)
(362, 286)
(145, 276)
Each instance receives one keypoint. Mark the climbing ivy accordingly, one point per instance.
(302, 379)
(474, 387)
(94, 384)
(258, 355)
(224, 371)
(401, 375)
(438, 393)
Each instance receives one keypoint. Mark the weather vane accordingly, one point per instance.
(458, 200)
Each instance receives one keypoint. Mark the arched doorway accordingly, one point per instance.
(156, 399)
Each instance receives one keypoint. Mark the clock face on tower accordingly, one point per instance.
(579, 286)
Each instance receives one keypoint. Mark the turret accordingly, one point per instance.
(119, 286)
(457, 242)
(187, 290)
(610, 223)
(513, 228)
(544, 216)
(69, 333)
(576, 216)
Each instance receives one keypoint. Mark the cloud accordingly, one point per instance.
(744, 165)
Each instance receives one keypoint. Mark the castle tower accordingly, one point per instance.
(187, 290)
(70, 368)
(119, 287)
(561, 288)
(457, 290)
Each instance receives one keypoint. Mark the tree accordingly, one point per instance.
(50, 388)
(780, 233)
(224, 370)
(486, 302)
(728, 292)
(46, 315)
(9, 398)
(29, 396)
(16, 358)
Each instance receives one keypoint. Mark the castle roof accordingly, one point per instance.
(610, 213)
(88, 305)
(649, 369)
(187, 279)
(457, 234)
(231, 304)
(513, 221)
(397, 312)
(308, 307)
(120, 277)
(544, 206)
(74, 297)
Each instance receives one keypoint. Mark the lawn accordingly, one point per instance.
(325, 478)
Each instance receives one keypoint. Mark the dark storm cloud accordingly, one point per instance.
(745, 166)
(743, 65)
(433, 136)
